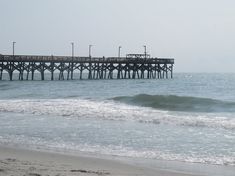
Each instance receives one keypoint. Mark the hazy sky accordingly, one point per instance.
(199, 34)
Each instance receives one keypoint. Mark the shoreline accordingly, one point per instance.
(14, 161)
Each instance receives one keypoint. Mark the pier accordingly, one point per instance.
(133, 66)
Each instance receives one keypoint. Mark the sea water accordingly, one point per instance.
(190, 118)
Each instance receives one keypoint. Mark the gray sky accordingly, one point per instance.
(199, 34)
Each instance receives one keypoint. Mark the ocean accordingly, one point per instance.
(190, 118)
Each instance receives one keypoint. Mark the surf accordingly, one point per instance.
(178, 103)
(112, 110)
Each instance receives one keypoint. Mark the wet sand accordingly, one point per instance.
(22, 162)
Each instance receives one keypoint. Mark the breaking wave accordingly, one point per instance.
(178, 103)
(112, 110)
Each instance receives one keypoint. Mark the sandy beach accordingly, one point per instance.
(20, 162)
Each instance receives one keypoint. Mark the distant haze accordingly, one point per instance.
(199, 34)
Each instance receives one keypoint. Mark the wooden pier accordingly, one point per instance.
(133, 66)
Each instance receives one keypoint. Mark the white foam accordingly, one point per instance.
(111, 150)
(82, 108)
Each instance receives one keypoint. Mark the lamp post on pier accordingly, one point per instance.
(72, 43)
(90, 50)
(119, 51)
(13, 48)
(145, 51)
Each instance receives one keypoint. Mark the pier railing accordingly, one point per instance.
(52, 58)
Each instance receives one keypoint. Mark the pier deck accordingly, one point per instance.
(133, 66)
